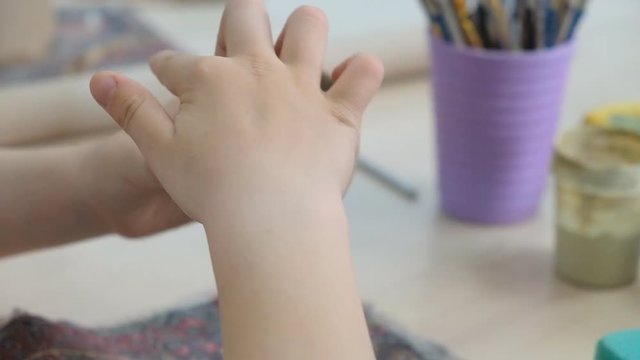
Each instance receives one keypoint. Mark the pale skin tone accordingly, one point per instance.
(92, 182)
(261, 157)
(61, 194)
(61, 109)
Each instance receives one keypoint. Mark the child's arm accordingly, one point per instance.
(261, 156)
(58, 194)
(61, 108)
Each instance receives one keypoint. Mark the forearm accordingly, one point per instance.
(41, 202)
(59, 108)
(286, 283)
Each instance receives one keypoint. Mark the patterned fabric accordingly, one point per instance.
(192, 333)
(90, 38)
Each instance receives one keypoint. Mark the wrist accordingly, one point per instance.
(273, 212)
(87, 169)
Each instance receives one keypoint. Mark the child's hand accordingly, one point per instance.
(121, 190)
(253, 123)
(261, 156)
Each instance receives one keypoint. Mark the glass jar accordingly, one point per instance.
(597, 207)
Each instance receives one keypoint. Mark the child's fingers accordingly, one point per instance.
(134, 109)
(335, 74)
(304, 40)
(356, 82)
(245, 28)
(173, 70)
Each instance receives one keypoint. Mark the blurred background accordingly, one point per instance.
(484, 292)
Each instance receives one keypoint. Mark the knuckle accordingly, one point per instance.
(203, 67)
(345, 113)
(130, 107)
(258, 64)
(161, 58)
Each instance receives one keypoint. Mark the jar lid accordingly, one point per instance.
(599, 159)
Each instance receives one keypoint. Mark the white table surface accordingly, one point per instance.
(485, 292)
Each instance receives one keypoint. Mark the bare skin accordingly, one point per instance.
(261, 157)
(256, 152)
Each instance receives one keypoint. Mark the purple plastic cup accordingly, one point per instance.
(496, 118)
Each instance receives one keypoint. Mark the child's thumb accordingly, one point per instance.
(134, 109)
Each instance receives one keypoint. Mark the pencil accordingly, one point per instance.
(480, 19)
(540, 12)
(438, 23)
(528, 34)
(391, 182)
(502, 22)
(517, 25)
(565, 23)
(551, 23)
(468, 28)
(576, 18)
(451, 21)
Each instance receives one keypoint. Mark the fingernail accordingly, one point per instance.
(103, 89)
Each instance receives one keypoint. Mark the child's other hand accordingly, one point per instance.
(253, 124)
(121, 190)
